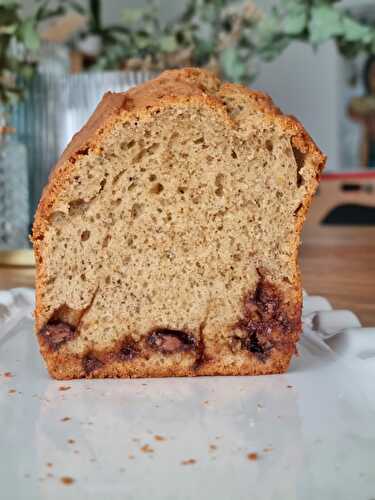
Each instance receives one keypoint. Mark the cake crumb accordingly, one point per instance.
(147, 449)
(49, 464)
(64, 387)
(12, 391)
(252, 456)
(289, 387)
(266, 450)
(206, 402)
(65, 419)
(190, 461)
(157, 437)
(71, 441)
(131, 457)
(67, 480)
(213, 447)
(8, 375)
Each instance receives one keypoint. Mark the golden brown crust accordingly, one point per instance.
(71, 366)
(175, 86)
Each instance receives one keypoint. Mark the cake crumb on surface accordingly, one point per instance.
(8, 375)
(266, 450)
(190, 461)
(252, 456)
(49, 464)
(147, 449)
(71, 441)
(213, 447)
(12, 391)
(64, 387)
(157, 437)
(67, 480)
(65, 419)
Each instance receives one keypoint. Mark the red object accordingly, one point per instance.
(334, 176)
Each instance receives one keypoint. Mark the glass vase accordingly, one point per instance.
(14, 193)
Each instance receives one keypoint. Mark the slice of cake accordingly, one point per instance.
(166, 240)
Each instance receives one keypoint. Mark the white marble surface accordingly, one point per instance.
(312, 428)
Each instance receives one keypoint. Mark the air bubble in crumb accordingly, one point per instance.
(136, 210)
(157, 188)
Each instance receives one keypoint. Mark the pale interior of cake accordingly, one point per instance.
(169, 227)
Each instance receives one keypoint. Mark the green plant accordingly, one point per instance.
(314, 22)
(19, 41)
(215, 33)
(220, 34)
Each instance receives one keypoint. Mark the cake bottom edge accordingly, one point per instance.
(75, 366)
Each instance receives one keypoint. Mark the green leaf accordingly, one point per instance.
(168, 43)
(142, 40)
(28, 35)
(295, 21)
(354, 31)
(132, 15)
(26, 71)
(272, 51)
(9, 3)
(267, 29)
(232, 66)
(325, 23)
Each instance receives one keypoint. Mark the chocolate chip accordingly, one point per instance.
(171, 341)
(91, 363)
(252, 344)
(57, 333)
(266, 322)
(127, 353)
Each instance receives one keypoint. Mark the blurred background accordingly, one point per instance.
(316, 58)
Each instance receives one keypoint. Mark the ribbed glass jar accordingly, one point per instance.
(55, 108)
(14, 192)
